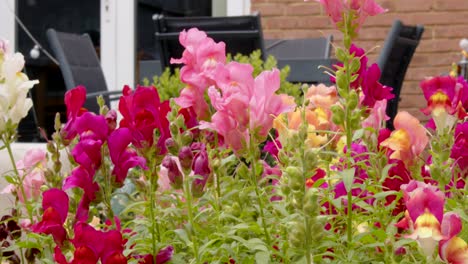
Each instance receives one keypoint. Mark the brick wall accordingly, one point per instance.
(445, 21)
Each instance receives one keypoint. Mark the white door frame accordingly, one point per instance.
(7, 22)
(238, 7)
(118, 42)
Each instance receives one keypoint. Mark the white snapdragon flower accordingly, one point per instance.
(464, 44)
(14, 87)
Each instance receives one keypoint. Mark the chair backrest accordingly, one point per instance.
(79, 63)
(304, 57)
(314, 48)
(242, 34)
(394, 59)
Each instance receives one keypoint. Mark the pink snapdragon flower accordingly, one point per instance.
(452, 249)
(429, 225)
(201, 56)
(361, 9)
(425, 205)
(245, 105)
(265, 105)
(31, 169)
(408, 140)
(377, 116)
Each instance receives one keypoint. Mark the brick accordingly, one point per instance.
(407, 5)
(269, 9)
(369, 33)
(303, 9)
(453, 31)
(435, 59)
(451, 5)
(412, 101)
(418, 74)
(437, 45)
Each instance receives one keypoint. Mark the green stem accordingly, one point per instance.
(308, 238)
(254, 181)
(348, 125)
(188, 197)
(154, 227)
(20, 179)
(218, 187)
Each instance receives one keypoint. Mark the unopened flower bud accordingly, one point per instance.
(111, 119)
(171, 145)
(187, 137)
(353, 99)
(310, 203)
(338, 114)
(186, 157)
(295, 178)
(201, 168)
(296, 234)
(173, 172)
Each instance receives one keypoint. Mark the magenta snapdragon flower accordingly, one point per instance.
(143, 113)
(447, 100)
(122, 155)
(459, 154)
(55, 206)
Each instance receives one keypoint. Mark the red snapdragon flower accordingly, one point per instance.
(74, 101)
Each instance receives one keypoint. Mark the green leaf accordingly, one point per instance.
(348, 177)
(358, 134)
(257, 245)
(383, 195)
(340, 54)
(262, 257)
(182, 234)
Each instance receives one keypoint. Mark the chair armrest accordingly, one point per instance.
(111, 94)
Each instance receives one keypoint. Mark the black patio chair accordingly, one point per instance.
(80, 65)
(304, 56)
(394, 59)
(242, 34)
